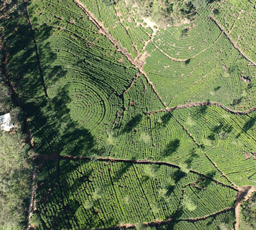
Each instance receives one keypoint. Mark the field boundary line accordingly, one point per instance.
(198, 104)
(133, 81)
(187, 132)
(16, 97)
(215, 165)
(37, 53)
(207, 216)
(231, 40)
(32, 197)
(109, 159)
(103, 31)
(164, 222)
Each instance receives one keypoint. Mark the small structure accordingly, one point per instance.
(5, 122)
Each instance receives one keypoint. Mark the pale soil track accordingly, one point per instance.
(244, 192)
(213, 163)
(163, 222)
(26, 124)
(56, 157)
(198, 104)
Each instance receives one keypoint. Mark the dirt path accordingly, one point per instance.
(134, 80)
(198, 104)
(215, 165)
(243, 194)
(37, 53)
(163, 222)
(32, 197)
(109, 159)
(231, 40)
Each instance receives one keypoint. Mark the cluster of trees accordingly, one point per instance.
(170, 11)
(16, 163)
(248, 215)
(15, 181)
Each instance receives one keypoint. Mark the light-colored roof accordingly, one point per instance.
(5, 122)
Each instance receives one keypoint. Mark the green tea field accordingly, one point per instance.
(141, 113)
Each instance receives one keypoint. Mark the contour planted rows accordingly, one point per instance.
(101, 194)
(111, 153)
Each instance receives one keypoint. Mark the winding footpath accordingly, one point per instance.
(199, 104)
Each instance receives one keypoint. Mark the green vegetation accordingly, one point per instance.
(247, 220)
(15, 178)
(95, 92)
(98, 195)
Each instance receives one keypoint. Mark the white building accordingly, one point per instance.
(5, 122)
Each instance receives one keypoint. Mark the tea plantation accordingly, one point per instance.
(135, 124)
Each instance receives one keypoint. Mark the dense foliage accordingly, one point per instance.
(247, 219)
(15, 178)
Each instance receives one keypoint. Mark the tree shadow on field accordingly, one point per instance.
(208, 180)
(236, 101)
(192, 156)
(216, 88)
(132, 124)
(222, 130)
(199, 111)
(125, 168)
(171, 147)
(249, 124)
(165, 119)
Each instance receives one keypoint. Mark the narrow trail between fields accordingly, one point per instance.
(213, 163)
(26, 124)
(103, 31)
(243, 193)
(231, 40)
(32, 204)
(164, 222)
(110, 160)
(199, 104)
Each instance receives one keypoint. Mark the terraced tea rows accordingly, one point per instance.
(107, 194)
(237, 18)
(135, 160)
